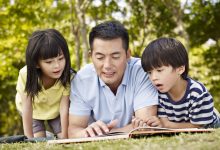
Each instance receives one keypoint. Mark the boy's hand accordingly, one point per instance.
(137, 122)
(153, 121)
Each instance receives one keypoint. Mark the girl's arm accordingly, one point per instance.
(64, 115)
(168, 124)
(27, 116)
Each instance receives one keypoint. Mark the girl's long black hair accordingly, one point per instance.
(44, 44)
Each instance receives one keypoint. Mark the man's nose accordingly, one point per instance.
(107, 63)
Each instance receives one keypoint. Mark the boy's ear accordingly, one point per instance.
(180, 70)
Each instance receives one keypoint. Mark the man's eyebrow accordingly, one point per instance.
(98, 53)
(115, 53)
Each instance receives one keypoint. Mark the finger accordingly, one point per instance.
(90, 132)
(150, 121)
(102, 126)
(112, 124)
(136, 122)
(97, 129)
(141, 123)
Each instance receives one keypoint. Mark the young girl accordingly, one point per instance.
(43, 84)
(183, 102)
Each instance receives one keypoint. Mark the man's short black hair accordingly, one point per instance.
(109, 30)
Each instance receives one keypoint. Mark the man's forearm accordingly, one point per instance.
(76, 132)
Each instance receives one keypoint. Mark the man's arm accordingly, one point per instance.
(77, 125)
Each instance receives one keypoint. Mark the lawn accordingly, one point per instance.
(197, 141)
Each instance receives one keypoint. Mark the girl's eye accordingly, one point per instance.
(48, 62)
(61, 58)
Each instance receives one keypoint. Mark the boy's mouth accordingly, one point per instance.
(158, 86)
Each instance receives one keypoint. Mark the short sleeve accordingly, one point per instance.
(145, 93)
(78, 106)
(202, 109)
(161, 112)
(22, 78)
(66, 91)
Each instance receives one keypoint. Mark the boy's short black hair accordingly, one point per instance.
(165, 51)
(109, 30)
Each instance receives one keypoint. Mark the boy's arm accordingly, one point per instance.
(64, 110)
(27, 111)
(168, 124)
(141, 115)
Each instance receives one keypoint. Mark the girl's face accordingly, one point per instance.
(166, 78)
(52, 68)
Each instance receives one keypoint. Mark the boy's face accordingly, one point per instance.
(166, 78)
(110, 60)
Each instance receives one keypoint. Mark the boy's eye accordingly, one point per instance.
(159, 70)
(149, 72)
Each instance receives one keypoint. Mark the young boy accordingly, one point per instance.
(183, 102)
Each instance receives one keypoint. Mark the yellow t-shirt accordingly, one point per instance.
(47, 104)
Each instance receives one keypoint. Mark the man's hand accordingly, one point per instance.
(99, 128)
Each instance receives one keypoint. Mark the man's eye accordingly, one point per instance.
(116, 57)
(99, 58)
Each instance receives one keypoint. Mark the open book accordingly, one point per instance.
(135, 133)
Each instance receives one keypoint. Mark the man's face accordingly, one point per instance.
(110, 60)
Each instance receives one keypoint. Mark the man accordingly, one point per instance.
(106, 94)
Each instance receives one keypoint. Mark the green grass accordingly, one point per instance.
(202, 141)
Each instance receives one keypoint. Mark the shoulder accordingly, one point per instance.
(87, 72)
(196, 86)
(85, 75)
(23, 70)
(198, 90)
(134, 65)
(23, 73)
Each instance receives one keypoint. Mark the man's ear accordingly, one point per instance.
(90, 53)
(181, 69)
(128, 54)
